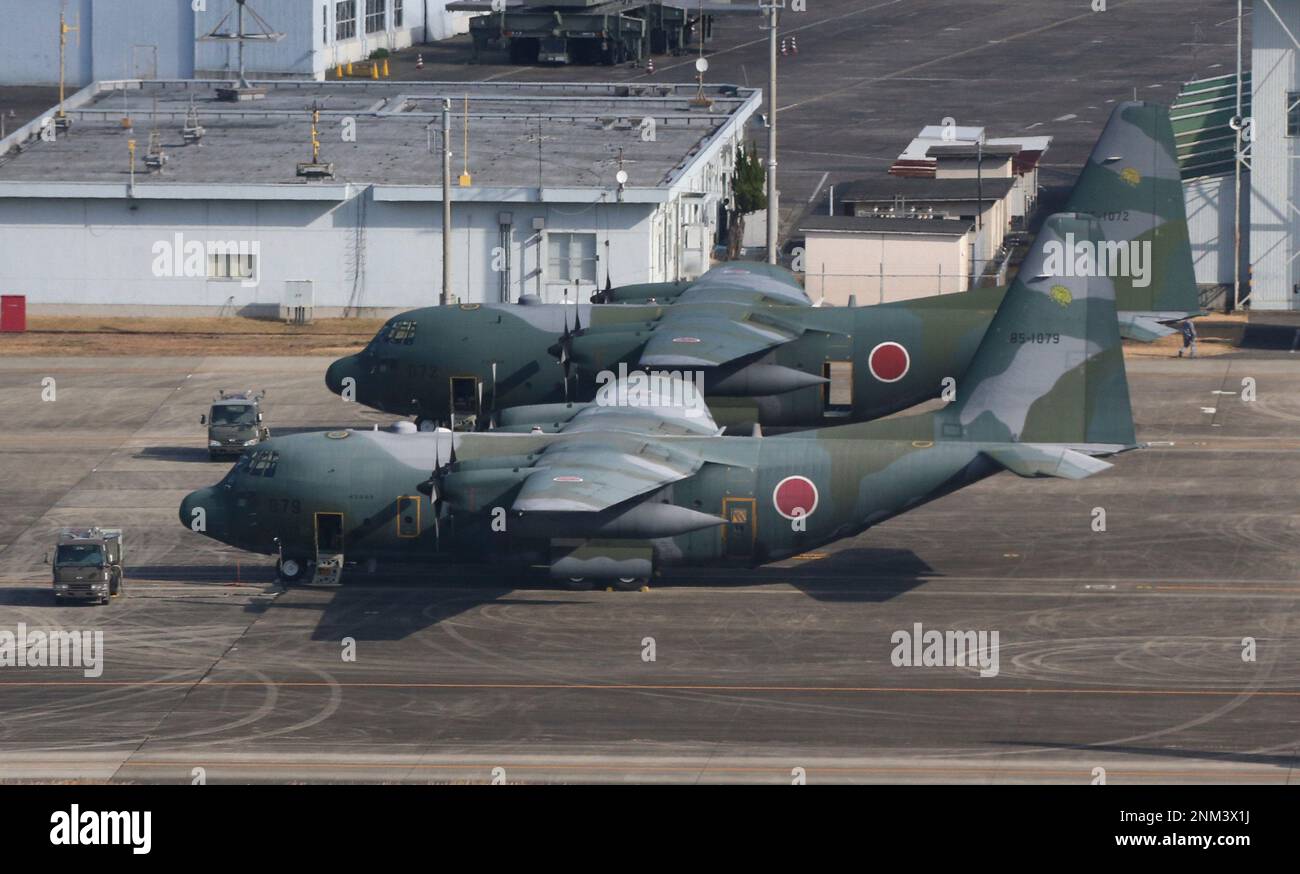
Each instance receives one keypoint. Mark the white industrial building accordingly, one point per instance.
(228, 226)
(163, 39)
(1274, 154)
(1206, 144)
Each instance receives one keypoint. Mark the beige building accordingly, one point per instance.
(986, 203)
(878, 259)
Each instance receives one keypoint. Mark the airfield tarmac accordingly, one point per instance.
(1118, 650)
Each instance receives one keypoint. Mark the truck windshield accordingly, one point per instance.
(233, 414)
(81, 554)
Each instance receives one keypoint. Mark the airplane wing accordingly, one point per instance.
(644, 404)
(695, 337)
(611, 454)
(590, 475)
(746, 282)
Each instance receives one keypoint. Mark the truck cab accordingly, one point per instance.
(88, 564)
(234, 423)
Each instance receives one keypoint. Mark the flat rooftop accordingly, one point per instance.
(851, 224)
(885, 188)
(567, 135)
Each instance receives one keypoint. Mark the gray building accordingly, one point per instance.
(161, 39)
(227, 224)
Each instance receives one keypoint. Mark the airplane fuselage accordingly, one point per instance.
(472, 359)
(774, 497)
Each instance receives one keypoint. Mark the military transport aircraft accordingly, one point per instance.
(750, 333)
(612, 489)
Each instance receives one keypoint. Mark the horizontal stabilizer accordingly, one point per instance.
(1031, 460)
(1146, 327)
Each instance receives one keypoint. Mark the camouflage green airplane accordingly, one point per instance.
(612, 489)
(749, 332)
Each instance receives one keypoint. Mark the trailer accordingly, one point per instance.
(561, 32)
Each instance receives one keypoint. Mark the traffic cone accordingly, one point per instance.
(650, 66)
(338, 71)
(385, 68)
(794, 46)
(419, 62)
(784, 50)
(374, 70)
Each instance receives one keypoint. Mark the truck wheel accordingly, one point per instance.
(291, 570)
(115, 584)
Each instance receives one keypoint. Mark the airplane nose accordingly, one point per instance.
(337, 372)
(201, 512)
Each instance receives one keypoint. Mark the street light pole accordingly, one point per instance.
(773, 207)
(445, 297)
(1236, 185)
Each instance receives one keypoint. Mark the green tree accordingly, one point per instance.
(749, 194)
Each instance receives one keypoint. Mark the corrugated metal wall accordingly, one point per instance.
(1273, 230)
(1209, 226)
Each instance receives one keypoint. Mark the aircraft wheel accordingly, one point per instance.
(631, 584)
(578, 584)
(291, 570)
(423, 424)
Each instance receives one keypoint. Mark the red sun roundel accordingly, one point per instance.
(889, 361)
(795, 496)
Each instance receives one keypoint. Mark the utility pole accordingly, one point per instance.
(61, 119)
(445, 297)
(1236, 200)
(773, 208)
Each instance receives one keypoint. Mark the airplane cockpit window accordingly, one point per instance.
(263, 463)
(402, 333)
(241, 466)
(233, 414)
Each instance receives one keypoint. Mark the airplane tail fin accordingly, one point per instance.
(1050, 369)
(1131, 182)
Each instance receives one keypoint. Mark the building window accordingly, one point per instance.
(227, 262)
(375, 15)
(572, 257)
(345, 19)
(1293, 113)
(397, 13)
(325, 24)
